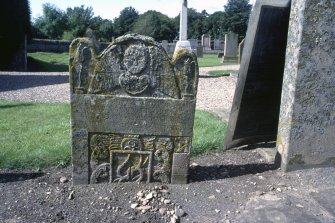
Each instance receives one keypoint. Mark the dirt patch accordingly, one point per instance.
(220, 189)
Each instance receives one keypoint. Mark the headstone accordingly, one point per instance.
(255, 109)
(218, 44)
(240, 51)
(200, 51)
(230, 46)
(206, 42)
(194, 44)
(132, 111)
(183, 43)
(307, 113)
(165, 45)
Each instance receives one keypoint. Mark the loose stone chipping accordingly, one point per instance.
(132, 111)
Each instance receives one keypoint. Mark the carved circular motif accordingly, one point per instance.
(136, 58)
(134, 85)
(131, 144)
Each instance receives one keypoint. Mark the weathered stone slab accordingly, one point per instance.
(307, 118)
(230, 46)
(240, 51)
(206, 42)
(132, 111)
(255, 110)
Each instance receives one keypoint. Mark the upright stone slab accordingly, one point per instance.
(218, 44)
(230, 46)
(165, 45)
(206, 42)
(306, 131)
(255, 109)
(240, 51)
(132, 111)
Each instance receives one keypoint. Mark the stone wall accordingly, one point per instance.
(53, 46)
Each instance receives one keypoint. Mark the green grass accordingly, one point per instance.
(34, 135)
(222, 72)
(37, 135)
(212, 60)
(208, 133)
(48, 62)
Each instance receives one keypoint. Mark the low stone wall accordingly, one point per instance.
(54, 46)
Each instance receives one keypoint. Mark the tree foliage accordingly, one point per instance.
(156, 25)
(79, 19)
(74, 22)
(124, 23)
(52, 23)
(236, 16)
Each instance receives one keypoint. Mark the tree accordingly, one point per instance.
(124, 23)
(53, 22)
(156, 25)
(216, 24)
(79, 19)
(105, 31)
(15, 24)
(237, 15)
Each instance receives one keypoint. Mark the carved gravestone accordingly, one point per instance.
(132, 111)
(255, 109)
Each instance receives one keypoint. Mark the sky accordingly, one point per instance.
(110, 9)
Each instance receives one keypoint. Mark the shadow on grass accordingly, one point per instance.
(215, 172)
(35, 65)
(15, 105)
(16, 82)
(13, 177)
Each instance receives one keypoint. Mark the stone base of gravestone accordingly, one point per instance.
(307, 119)
(226, 58)
(183, 44)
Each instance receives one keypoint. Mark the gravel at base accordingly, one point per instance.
(214, 94)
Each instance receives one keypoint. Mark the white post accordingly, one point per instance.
(183, 43)
(183, 22)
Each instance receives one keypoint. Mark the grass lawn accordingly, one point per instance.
(34, 135)
(48, 62)
(37, 135)
(58, 62)
(211, 60)
(222, 72)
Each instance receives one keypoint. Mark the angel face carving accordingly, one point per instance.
(134, 81)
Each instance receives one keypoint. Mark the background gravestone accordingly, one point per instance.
(230, 46)
(132, 111)
(206, 42)
(218, 44)
(240, 51)
(165, 45)
(307, 112)
(255, 109)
